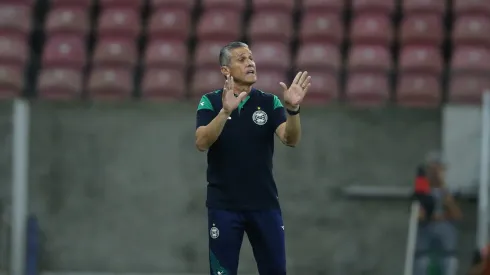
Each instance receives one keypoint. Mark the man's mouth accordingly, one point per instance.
(250, 71)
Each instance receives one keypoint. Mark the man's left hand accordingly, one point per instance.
(294, 95)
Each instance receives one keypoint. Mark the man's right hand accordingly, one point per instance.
(229, 100)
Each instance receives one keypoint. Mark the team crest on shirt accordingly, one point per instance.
(259, 117)
(214, 232)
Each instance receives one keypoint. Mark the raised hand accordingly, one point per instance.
(293, 96)
(230, 101)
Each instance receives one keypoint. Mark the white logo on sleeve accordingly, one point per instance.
(259, 117)
(282, 226)
(202, 103)
(214, 232)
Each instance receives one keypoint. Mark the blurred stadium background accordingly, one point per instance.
(110, 87)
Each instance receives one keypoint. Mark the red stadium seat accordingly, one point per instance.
(11, 81)
(133, 4)
(372, 29)
(13, 52)
(219, 26)
(424, 6)
(187, 5)
(64, 52)
(377, 6)
(170, 24)
(318, 57)
(321, 28)
(268, 82)
(470, 30)
(60, 84)
(163, 84)
(271, 56)
(324, 87)
(206, 55)
(422, 29)
(166, 55)
(461, 7)
(369, 58)
(421, 59)
(323, 6)
(71, 3)
(15, 20)
(234, 5)
(468, 88)
(67, 21)
(206, 81)
(110, 83)
(418, 90)
(119, 22)
(270, 26)
(115, 53)
(471, 60)
(367, 89)
(285, 6)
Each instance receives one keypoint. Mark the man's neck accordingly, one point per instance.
(242, 89)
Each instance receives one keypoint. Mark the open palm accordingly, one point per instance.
(294, 95)
(229, 100)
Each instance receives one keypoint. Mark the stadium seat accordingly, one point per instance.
(418, 90)
(205, 81)
(372, 29)
(268, 81)
(317, 56)
(422, 29)
(472, 30)
(187, 5)
(468, 88)
(367, 89)
(71, 3)
(270, 26)
(234, 5)
(373, 6)
(421, 59)
(112, 53)
(11, 81)
(471, 60)
(324, 87)
(323, 6)
(132, 4)
(284, 6)
(206, 55)
(67, 21)
(15, 20)
(64, 52)
(166, 55)
(321, 27)
(461, 7)
(272, 56)
(170, 24)
(13, 52)
(119, 22)
(423, 7)
(110, 83)
(60, 84)
(369, 58)
(163, 84)
(219, 26)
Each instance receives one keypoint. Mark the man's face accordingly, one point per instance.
(241, 67)
(436, 173)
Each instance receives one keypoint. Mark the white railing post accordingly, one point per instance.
(482, 228)
(411, 238)
(20, 162)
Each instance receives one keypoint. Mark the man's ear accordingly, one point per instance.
(225, 71)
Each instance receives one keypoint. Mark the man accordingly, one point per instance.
(480, 264)
(438, 214)
(237, 125)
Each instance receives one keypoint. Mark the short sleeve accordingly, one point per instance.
(205, 112)
(279, 113)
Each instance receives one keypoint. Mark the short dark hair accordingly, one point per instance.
(225, 53)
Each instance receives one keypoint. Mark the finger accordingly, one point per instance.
(296, 78)
(284, 87)
(306, 89)
(306, 82)
(232, 84)
(303, 77)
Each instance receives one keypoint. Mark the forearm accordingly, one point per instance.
(293, 130)
(207, 135)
